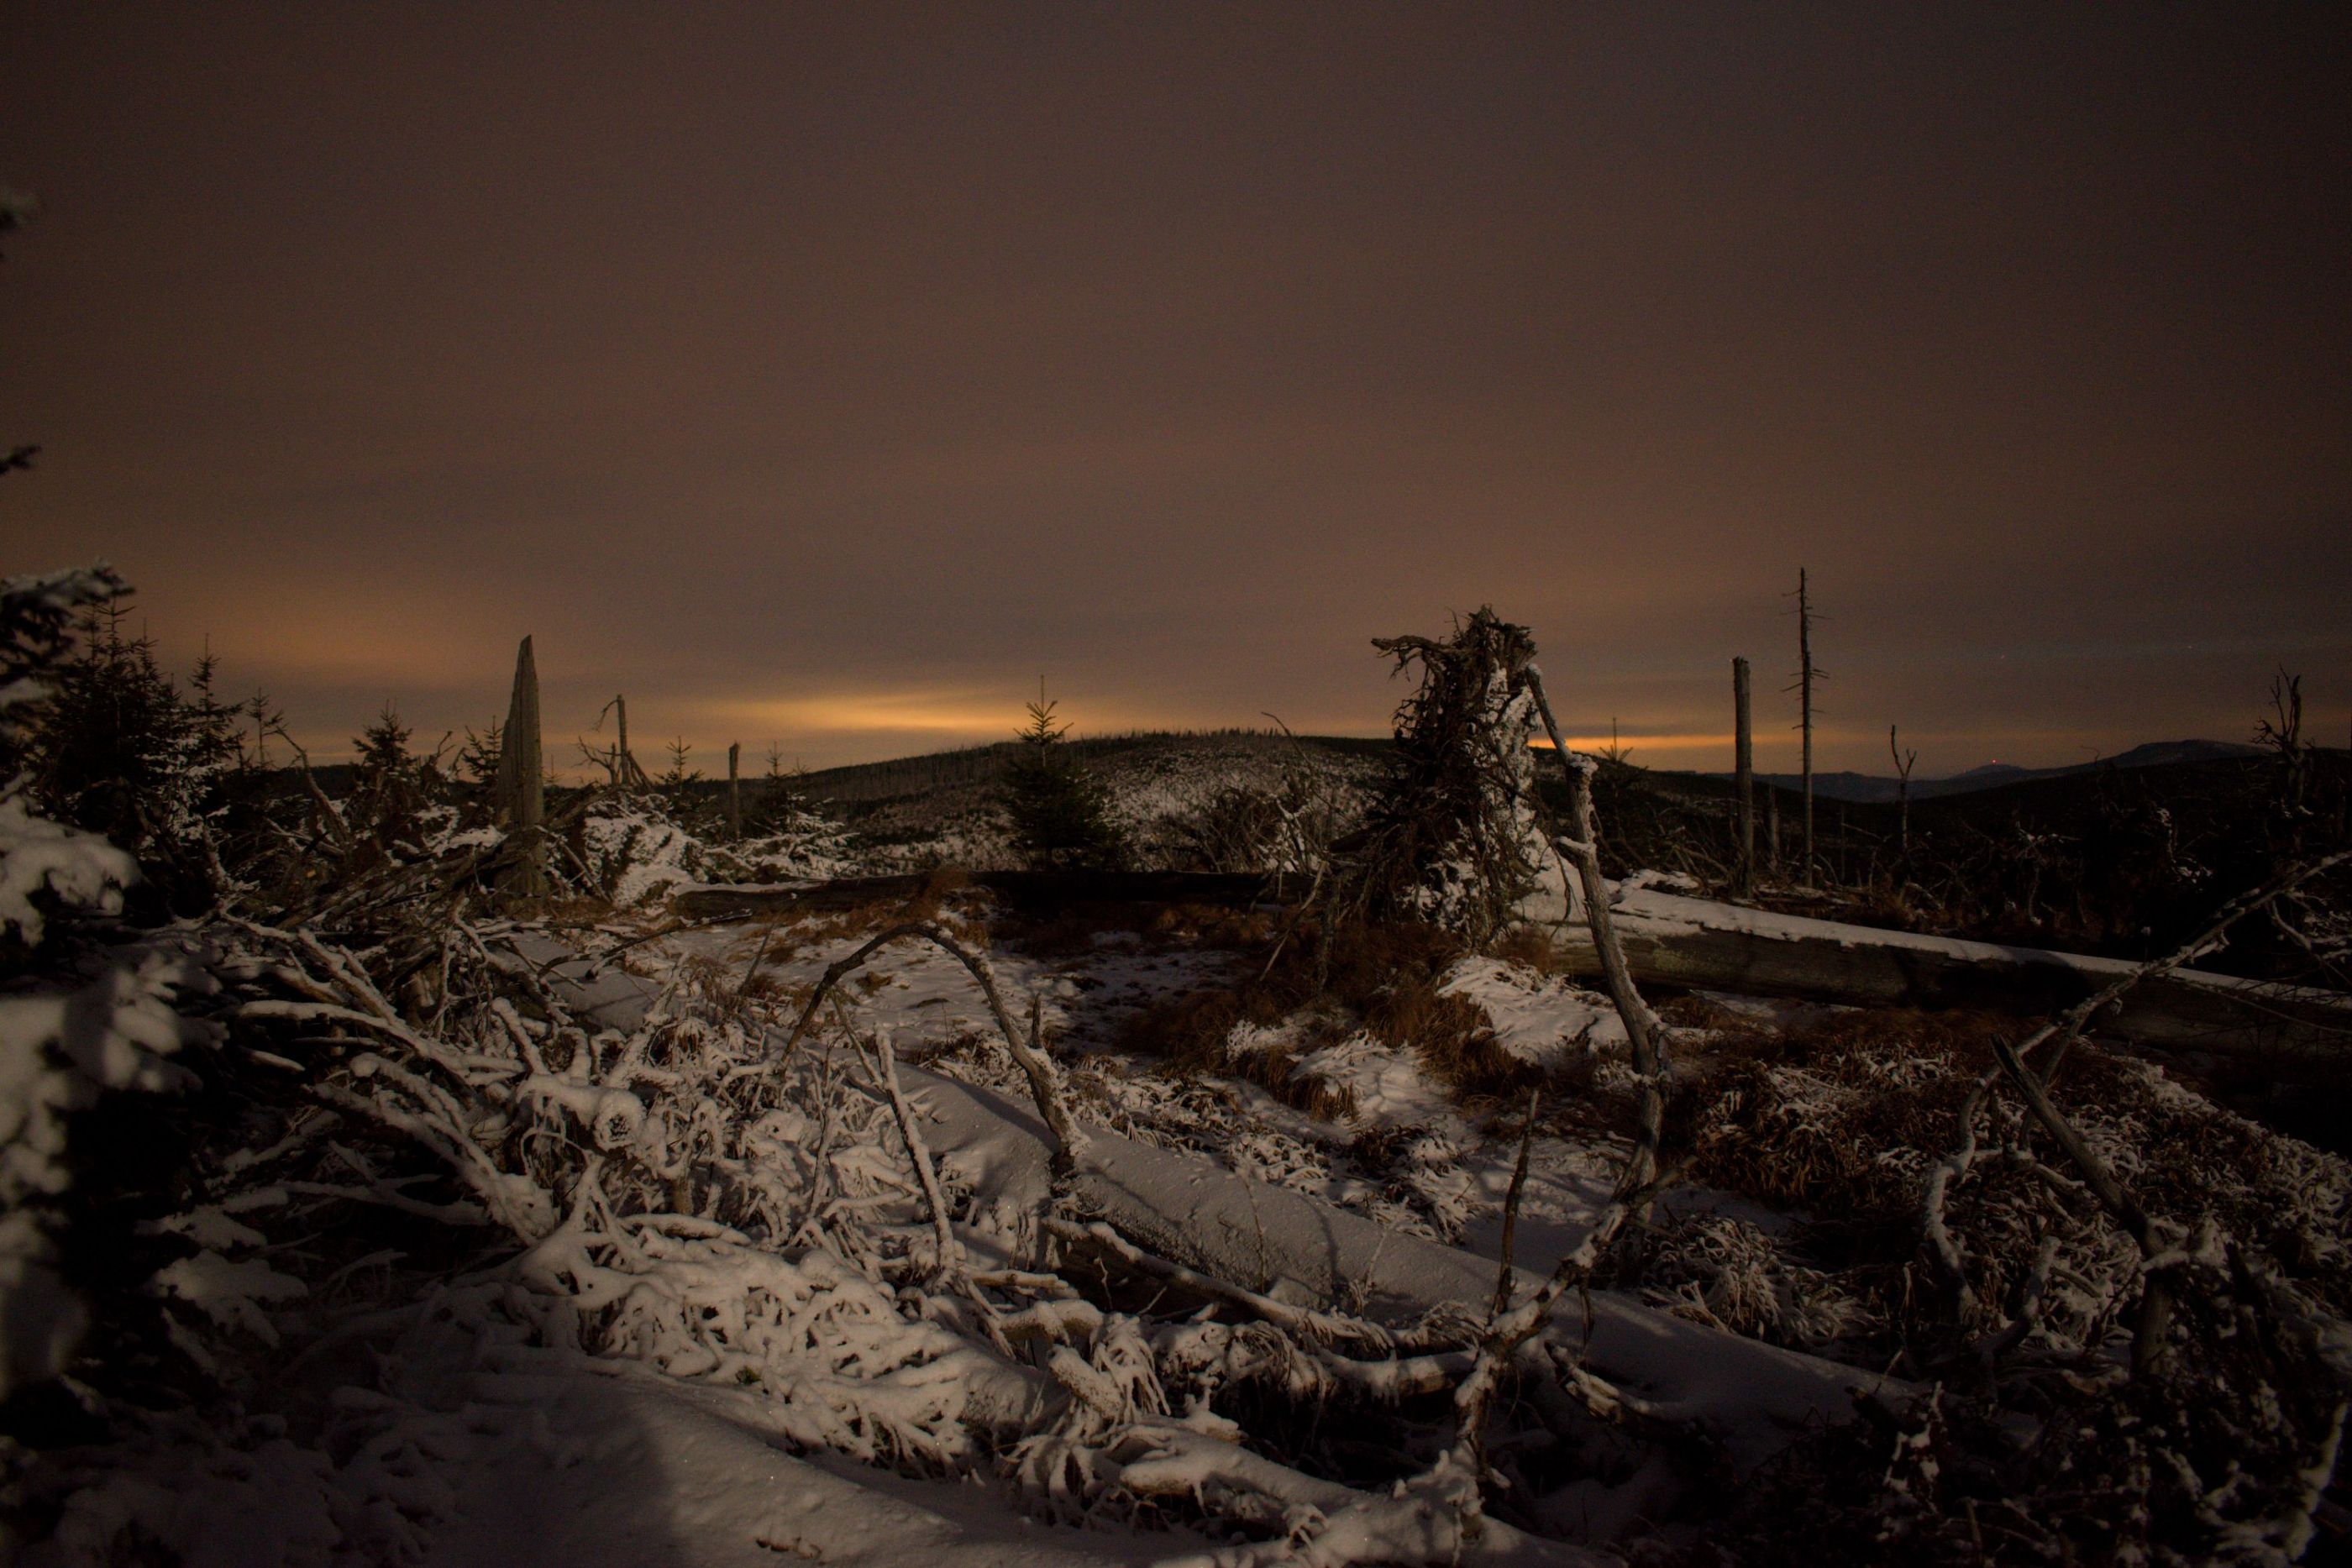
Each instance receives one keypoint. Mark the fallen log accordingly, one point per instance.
(1694, 944)
(1700, 944)
(1032, 891)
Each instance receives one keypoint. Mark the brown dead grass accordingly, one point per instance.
(1380, 978)
(928, 900)
(1531, 948)
(945, 898)
(577, 910)
(1737, 1125)
(1840, 1119)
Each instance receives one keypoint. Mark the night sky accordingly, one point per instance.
(827, 375)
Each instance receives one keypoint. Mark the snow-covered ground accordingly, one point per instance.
(1447, 1172)
(1157, 790)
(667, 1380)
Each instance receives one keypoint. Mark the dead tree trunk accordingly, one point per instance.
(1805, 701)
(1772, 829)
(619, 762)
(624, 761)
(1644, 1034)
(521, 787)
(1903, 766)
(734, 789)
(1744, 771)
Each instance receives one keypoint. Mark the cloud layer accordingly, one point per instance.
(827, 376)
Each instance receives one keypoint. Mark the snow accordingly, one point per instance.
(1188, 1208)
(80, 870)
(57, 1052)
(233, 1295)
(746, 1398)
(1385, 1085)
(619, 1471)
(639, 854)
(1295, 1238)
(1299, 1247)
(1536, 1019)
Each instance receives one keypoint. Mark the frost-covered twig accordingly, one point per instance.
(1941, 1245)
(1069, 1141)
(1504, 1337)
(886, 1070)
(2064, 1031)
(1511, 1209)
(329, 816)
(1319, 1327)
(2070, 1024)
(432, 1051)
(2156, 1294)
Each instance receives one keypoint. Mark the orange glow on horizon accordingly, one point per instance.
(968, 712)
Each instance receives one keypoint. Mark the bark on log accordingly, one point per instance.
(1700, 945)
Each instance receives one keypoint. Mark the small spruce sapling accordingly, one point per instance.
(1061, 816)
(391, 787)
(116, 750)
(679, 781)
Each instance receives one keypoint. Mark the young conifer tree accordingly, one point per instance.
(121, 752)
(1061, 816)
(390, 786)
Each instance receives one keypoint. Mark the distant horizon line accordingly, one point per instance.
(755, 765)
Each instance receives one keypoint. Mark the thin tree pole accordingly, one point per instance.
(624, 763)
(522, 784)
(1744, 769)
(734, 789)
(1805, 689)
(1903, 766)
(1644, 1034)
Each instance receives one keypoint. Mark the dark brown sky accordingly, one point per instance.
(826, 374)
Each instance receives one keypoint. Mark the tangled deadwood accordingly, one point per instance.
(1450, 835)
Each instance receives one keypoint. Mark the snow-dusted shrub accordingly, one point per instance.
(638, 851)
(635, 853)
(44, 862)
(1059, 811)
(121, 751)
(60, 1051)
(1248, 815)
(1451, 836)
(1847, 1120)
(77, 1018)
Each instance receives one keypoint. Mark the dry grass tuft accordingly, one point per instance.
(1803, 1119)
(1324, 985)
(1531, 948)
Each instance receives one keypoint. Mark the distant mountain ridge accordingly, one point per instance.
(1868, 789)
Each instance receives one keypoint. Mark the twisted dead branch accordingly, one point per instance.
(1643, 1029)
(1069, 1142)
(2155, 1309)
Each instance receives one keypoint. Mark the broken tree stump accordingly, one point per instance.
(521, 785)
